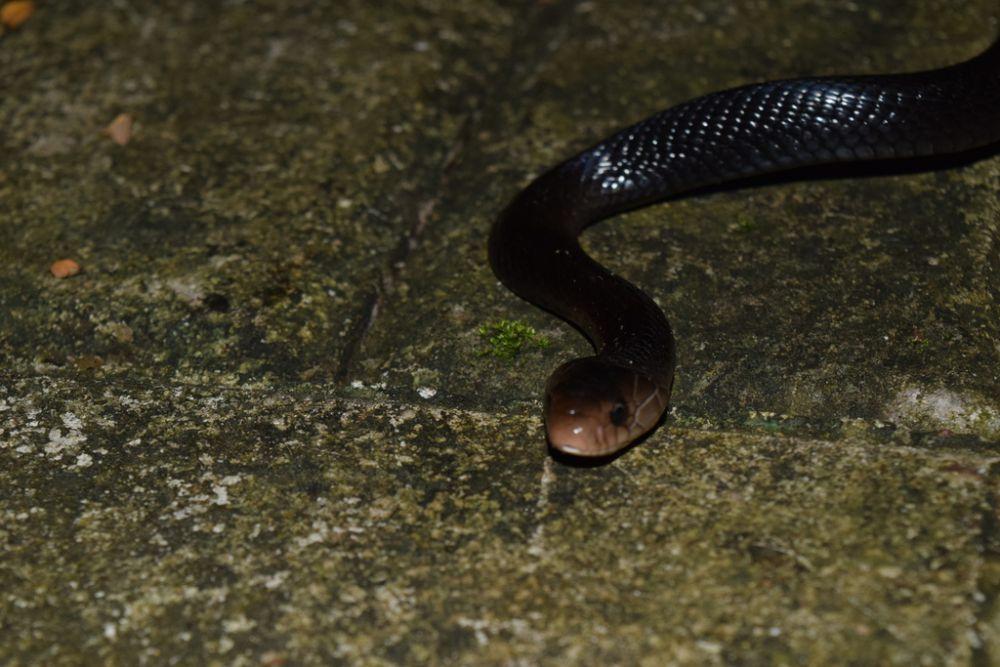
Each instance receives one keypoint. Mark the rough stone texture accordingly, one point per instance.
(258, 427)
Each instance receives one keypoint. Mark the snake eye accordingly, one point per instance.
(618, 414)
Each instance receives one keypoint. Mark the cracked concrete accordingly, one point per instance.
(258, 427)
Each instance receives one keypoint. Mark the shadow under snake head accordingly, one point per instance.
(594, 407)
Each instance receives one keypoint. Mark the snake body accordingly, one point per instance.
(598, 405)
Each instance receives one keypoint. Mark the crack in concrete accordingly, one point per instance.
(536, 543)
(547, 18)
(389, 276)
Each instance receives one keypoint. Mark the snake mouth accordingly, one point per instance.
(585, 437)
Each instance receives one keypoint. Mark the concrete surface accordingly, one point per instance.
(259, 427)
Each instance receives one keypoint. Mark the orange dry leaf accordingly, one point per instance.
(64, 268)
(13, 14)
(120, 129)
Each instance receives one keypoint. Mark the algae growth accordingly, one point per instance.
(507, 338)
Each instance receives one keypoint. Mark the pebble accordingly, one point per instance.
(120, 129)
(13, 14)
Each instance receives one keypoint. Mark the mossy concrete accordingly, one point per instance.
(259, 427)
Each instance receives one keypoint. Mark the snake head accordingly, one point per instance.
(594, 407)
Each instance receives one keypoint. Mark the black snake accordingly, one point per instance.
(596, 406)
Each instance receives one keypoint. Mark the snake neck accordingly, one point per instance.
(534, 251)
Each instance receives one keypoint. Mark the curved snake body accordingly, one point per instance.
(597, 405)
